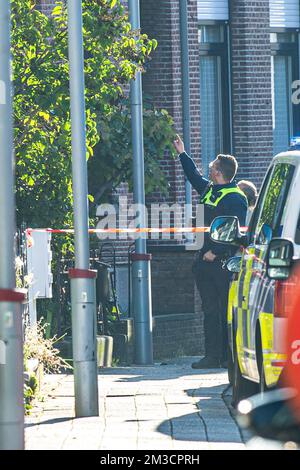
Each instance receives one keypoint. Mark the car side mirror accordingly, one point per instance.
(233, 264)
(279, 258)
(226, 230)
(270, 415)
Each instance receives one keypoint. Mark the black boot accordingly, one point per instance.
(207, 363)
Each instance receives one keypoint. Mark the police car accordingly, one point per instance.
(259, 294)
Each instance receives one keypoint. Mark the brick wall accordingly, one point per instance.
(176, 306)
(172, 281)
(177, 335)
(251, 86)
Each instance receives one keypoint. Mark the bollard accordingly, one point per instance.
(84, 336)
(141, 280)
(11, 371)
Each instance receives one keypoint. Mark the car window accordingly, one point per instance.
(270, 216)
(255, 216)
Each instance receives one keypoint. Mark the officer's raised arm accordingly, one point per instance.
(191, 171)
(179, 145)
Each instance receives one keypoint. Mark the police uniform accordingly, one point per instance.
(213, 281)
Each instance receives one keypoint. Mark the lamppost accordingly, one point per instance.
(11, 353)
(83, 288)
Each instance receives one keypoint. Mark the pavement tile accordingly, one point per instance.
(118, 444)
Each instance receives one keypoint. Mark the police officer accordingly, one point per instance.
(220, 196)
(250, 191)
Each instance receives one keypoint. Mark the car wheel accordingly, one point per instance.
(241, 387)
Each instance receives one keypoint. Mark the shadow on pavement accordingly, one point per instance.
(211, 421)
(207, 391)
(165, 371)
(49, 421)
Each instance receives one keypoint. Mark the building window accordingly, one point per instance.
(214, 92)
(285, 69)
(211, 34)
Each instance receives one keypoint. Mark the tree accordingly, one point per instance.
(112, 160)
(41, 106)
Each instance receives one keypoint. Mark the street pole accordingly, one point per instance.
(186, 114)
(83, 286)
(141, 273)
(11, 353)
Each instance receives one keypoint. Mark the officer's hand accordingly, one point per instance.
(179, 145)
(209, 256)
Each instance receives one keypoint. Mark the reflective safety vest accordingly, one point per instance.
(210, 199)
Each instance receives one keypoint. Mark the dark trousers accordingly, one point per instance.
(213, 285)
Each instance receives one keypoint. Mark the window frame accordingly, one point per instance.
(221, 50)
(289, 49)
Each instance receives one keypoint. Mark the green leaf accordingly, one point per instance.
(30, 181)
(45, 115)
(57, 11)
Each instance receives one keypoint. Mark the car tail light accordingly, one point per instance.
(283, 298)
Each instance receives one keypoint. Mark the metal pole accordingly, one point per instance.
(142, 306)
(83, 287)
(230, 85)
(186, 114)
(11, 354)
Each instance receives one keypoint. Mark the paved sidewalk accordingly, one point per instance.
(161, 407)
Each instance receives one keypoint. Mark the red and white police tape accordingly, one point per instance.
(29, 231)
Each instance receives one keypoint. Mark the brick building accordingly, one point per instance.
(243, 59)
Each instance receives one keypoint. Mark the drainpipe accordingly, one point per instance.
(141, 274)
(186, 114)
